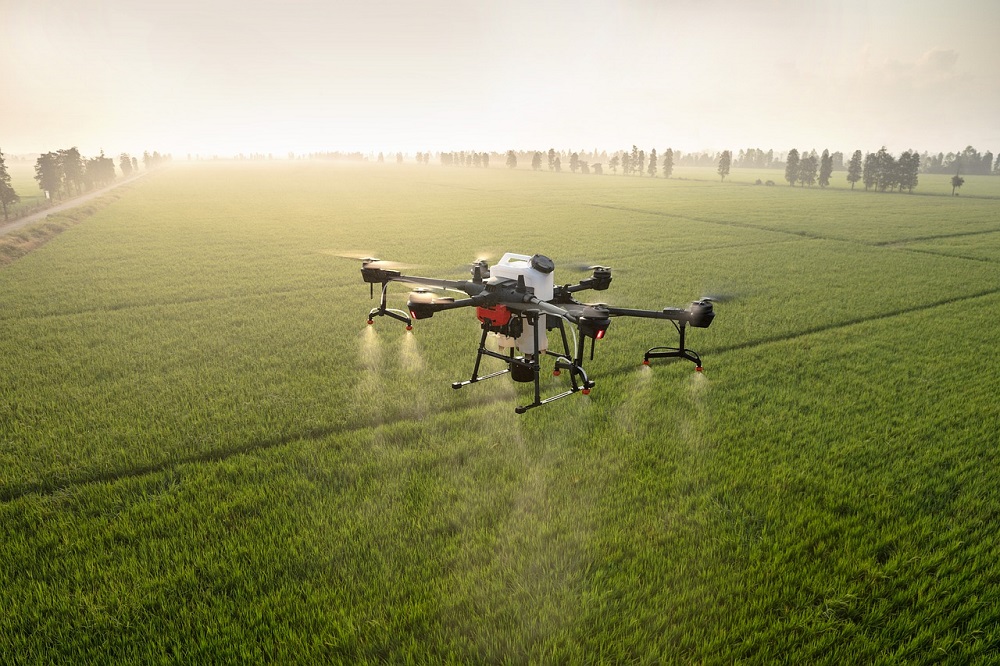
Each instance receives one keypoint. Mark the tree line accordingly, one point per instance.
(65, 173)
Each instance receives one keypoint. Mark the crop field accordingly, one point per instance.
(207, 456)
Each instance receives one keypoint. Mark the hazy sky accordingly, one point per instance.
(228, 76)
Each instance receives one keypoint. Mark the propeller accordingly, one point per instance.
(587, 266)
(370, 261)
(719, 298)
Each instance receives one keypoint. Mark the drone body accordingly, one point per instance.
(518, 301)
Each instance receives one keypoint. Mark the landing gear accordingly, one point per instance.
(527, 368)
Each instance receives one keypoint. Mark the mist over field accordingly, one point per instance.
(224, 78)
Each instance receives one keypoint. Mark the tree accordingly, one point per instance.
(885, 170)
(558, 164)
(48, 173)
(511, 159)
(641, 164)
(486, 160)
(8, 197)
(72, 168)
(651, 170)
(98, 171)
(907, 170)
(724, 163)
(574, 162)
(135, 164)
(626, 164)
(792, 166)
(552, 159)
(598, 170)
(854, 168)
(956, 182)
(536, 161)
(614, 162)
(125, 164)
(633, 162)
(869, 171)
(825, 168)
(807, 170)
(668, 163)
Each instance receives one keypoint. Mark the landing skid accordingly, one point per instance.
(674, 352)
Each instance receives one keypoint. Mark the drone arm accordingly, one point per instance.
(419, 310)
(699, 314)
(465, 286)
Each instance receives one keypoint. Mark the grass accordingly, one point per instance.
(207, 456)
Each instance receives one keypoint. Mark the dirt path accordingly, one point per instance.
(41, 215)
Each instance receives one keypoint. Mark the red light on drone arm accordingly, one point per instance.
(600, 334)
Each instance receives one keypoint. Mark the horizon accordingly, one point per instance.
(224, 78)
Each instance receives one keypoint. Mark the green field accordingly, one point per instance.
(207, 456)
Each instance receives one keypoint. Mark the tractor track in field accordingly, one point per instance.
(801, 234)
(52, 487)
(853, 322)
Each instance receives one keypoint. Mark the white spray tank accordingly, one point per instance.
(537, 272)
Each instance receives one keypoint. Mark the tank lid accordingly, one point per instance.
(542, 264)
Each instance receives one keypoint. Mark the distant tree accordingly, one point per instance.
(381, 158)
(825, 168)
(626, 164)
(486, 160)
(72, 166)
(135, 164)
(8, 197)
(651, 169)
(98, 171)
(641, 164)
(399, 158)
(511, 159)
(558, 164)
(633, 161)
(725, 161)
(956, 182)
(598, 170)
(854, 168)
(668, 163)
(808, 166)
(792, 166)
(908, 169)
(869, 172)
(996, 165)
(574, 162)
(48, 173)
(552, 159)
(614, 162)
(885, 170)
(536, 161)
(584, 168)
(987, 163)
(125, 164)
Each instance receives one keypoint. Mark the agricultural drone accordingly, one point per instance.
(518, 301)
